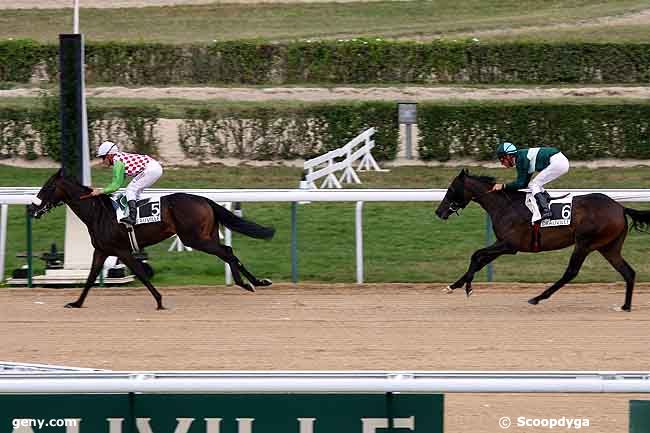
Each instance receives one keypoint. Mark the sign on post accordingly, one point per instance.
(407, 115)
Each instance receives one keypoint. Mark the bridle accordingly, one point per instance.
(454, 205)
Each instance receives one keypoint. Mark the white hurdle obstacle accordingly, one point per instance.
(326, 165)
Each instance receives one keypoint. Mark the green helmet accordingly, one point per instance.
(506, 148)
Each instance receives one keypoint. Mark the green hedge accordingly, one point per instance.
(582, 131)
(266, 133)
(361, 61)
(33, 133)
(446, 131)
(252, 133)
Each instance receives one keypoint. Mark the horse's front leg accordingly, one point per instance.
(479, 259)
(99, 258)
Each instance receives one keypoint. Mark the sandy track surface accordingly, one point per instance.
(353, 93)
(329, 327)
(346, 327)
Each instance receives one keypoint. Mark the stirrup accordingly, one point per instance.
(545, 214)
(127, 220)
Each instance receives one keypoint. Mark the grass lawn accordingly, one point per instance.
(403, 241)
(279, 22)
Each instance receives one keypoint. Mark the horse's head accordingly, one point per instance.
(456, 198)
(50, 195)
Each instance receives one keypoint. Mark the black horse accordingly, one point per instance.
(193, 218)
(598, 224)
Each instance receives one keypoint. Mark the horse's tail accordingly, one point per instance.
(640, 219)
(239, 224)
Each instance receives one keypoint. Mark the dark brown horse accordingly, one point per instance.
(598, 223)
(193, 218)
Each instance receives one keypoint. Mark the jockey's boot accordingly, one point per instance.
(130, 218)
(543, 203)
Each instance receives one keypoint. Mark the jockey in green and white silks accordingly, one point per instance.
(144, 169)
(549, 162)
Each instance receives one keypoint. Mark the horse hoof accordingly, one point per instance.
(621, 308)
(264, 282)
(248, 287)
(448, 289)
(533, 301)
(72, 305)
(468, 292)
(160, 308)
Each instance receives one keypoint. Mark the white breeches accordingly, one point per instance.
(148, 177)
(558, 166)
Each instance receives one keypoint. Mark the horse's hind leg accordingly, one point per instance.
(575, 263)
(98, 261)
(612, 252)
(252, 278)
(224, 253)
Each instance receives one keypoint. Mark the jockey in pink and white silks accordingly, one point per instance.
(144, 169)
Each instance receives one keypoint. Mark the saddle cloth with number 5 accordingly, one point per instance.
(561, 207)
(148, 209)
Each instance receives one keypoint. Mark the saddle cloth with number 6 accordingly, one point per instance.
(561, 208)
(148, 209)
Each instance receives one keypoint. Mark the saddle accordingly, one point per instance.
(561, 208)
(147, 211)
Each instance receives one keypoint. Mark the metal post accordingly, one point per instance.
(75, 24)
(4, 210)
(294, 242)
(29, 247)
(389, 411)
(358, 228)
(488, 241)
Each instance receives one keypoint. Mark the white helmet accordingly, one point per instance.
(107, 148)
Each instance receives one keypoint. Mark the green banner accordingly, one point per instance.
(64, 413)
(639, 416)
(222, 413)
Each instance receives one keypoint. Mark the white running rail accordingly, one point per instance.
(27, 195)
(326, 382)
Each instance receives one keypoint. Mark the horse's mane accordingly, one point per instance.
(103, 199)
(106, 201)
(482, 178)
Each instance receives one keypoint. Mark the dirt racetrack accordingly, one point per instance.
(349, 327)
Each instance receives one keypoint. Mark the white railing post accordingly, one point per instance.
(358, 229)
(227, 234)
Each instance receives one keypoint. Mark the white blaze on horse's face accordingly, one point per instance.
(36, 201)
